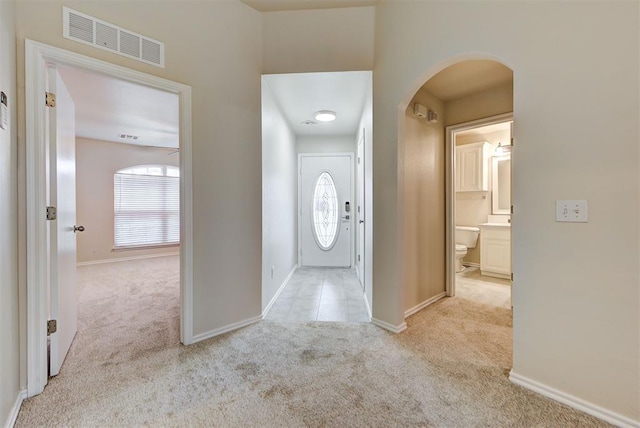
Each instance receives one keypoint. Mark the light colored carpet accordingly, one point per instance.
(448, 370)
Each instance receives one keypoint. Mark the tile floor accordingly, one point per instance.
(471, 285)
(321, 294)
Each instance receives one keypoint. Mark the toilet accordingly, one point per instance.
(466, 237)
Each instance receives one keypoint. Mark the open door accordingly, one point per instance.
(63, 308)
(360, 212)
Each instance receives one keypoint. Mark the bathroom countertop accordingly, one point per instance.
(495, 225)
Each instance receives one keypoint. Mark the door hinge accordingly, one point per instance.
(511, 276)
(358, 257)
(52, 327)
(49, 99)
(512, 140)
(51, 213)
(358, 160)
(511, 209)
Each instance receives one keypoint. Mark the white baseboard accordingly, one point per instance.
(366, 302)
(575, 402)
(424, 304)
(13, 414)
(471, 264)
(227, 328)
(126, 259)
(390, 327)
(282, 286)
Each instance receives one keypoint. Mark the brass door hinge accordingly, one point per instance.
(52, 327)
(50, 99)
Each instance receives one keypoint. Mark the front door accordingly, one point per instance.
(62, 195)
(326, 210)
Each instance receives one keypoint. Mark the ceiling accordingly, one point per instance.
(467, 78)
(107, 107)
(301, 95)
(502, 126)
(281, 5)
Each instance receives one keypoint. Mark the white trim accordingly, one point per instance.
(280, 289)
(390, 327)
(126, 259)
(218, 331)
(572, 401)
(36, 56)
(450, 204)
(13, 413)
(424, 304)
(368, 305)
(352, 196)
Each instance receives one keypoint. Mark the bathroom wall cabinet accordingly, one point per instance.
(472, 169)
(495, 250)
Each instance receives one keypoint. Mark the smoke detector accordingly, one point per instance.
(308, 122)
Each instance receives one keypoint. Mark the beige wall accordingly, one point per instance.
(423, 250)
(471, 208)
(576, 295)
(491, 102)
(96, 162)
(219, 55)
(9, 322)
(318, 40)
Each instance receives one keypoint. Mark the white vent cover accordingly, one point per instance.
(91, 31)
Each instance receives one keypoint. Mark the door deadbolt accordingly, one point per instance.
(78, 229)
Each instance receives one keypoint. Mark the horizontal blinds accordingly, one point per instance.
(146, 209)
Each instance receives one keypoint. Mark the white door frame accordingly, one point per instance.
(37, 55)
(351, 191)
(451, 192)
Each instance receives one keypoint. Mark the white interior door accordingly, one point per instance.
(62, 188)
(360, 212)
(326, 210)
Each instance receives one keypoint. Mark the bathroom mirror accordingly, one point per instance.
(501, 185)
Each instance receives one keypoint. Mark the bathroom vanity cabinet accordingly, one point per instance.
(472, 169)
(495, 250)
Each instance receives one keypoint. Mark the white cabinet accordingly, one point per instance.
(472, 172)
(495, 250)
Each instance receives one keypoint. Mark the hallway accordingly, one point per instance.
(321, 294)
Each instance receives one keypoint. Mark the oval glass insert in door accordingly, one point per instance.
(325, 211)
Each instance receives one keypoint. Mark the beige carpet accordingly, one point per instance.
(126, 368)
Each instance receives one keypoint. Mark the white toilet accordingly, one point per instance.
(466, 237)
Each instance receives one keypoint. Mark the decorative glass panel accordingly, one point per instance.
(325, 211)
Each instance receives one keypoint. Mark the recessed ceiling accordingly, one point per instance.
(281, 5)
(107, 108)
(300, 96)
(468, 78)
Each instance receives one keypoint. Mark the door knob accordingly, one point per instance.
(78, 229)
(346, 217)
(361, 221)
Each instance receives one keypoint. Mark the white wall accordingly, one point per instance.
(279, 196)
(318, 40)
(96, 162)
(9, 322)
(219, 55)
(366, 127)
(576, 295)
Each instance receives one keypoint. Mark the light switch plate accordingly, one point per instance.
(573, 211)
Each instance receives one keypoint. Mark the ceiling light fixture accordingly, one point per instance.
(325, 115)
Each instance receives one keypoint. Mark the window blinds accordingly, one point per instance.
(146, 210)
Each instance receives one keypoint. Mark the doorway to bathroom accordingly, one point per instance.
(480, 201)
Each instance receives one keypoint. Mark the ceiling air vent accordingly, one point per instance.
(91, 31)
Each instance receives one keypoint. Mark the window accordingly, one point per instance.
(325, 211)
(146, 206)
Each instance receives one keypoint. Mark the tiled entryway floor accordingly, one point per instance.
(321, 294)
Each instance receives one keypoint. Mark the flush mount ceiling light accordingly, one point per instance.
(325, 115)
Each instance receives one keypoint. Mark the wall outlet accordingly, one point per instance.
(572, 211)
